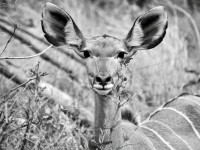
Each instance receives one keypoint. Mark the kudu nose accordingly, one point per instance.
(103, 80)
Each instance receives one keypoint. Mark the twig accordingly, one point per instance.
(6, 112)
(130, 98)
(13, 130)
(28, 57)
(57, 140)
(15, 88)
(24, 141)
(9, 40)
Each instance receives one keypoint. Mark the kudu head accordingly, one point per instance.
(104, 55)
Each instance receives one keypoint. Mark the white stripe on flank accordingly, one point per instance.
(189, 99)
(148, 140)
(142, 134)
(184, 116)
(153, 113)
(163, 140)
(172, 132)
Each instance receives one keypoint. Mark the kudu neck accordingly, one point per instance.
(107, 117)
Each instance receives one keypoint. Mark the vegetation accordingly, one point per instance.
(29, 119)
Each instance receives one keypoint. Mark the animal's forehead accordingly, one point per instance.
(104, 46)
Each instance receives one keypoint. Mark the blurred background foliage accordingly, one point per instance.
(156, 75)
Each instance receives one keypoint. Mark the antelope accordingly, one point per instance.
(174, 126)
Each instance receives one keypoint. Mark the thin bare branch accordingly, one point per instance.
(28, 57)
(15, 27)
(130, 98)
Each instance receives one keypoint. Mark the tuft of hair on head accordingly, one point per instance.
(129, 115)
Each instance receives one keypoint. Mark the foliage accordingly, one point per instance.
(32, 121)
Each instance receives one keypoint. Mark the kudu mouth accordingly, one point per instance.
(102, 84)
(103, 89)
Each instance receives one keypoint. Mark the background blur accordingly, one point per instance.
(31, 118)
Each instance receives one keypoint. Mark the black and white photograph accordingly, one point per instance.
(99, 75)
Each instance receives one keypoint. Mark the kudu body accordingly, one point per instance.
(173, 127)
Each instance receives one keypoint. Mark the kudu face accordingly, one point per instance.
(104, 55)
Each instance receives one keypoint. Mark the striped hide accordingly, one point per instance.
(175, 126)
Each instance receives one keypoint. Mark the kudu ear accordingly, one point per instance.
(148, 30)
(59, 28)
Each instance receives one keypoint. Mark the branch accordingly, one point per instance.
(28, 57)
(38, 39)
(45, 57)
(15, 88)
(129, 99)
(9, 40)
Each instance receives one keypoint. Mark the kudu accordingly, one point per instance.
(175, 126)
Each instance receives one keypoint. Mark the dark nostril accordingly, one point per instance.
(108, 79)
(98, 79)
(103, 80)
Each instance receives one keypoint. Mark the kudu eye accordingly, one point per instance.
(121, 55)
(86, 54)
